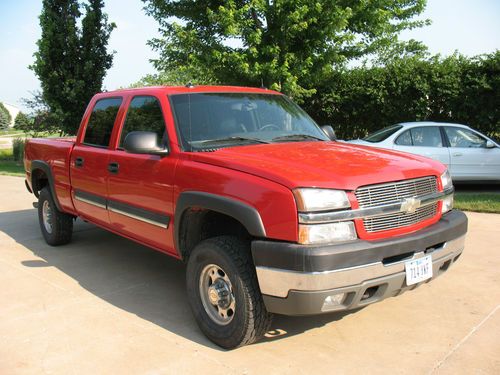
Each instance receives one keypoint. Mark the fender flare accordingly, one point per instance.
(247, 215)
(42, 165)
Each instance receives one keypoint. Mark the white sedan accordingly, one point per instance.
(469, 155)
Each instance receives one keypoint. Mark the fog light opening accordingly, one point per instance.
(333, 301)
(445, 265)
(369, 293)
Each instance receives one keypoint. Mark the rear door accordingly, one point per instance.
(470, 158)
(140, 188)
(423, 140)
(89, 160)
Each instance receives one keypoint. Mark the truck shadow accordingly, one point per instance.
(132, 277)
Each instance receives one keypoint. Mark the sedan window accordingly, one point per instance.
(404, 139)
(426, 136)
(460, 137)
(423, 136)
(382, 134)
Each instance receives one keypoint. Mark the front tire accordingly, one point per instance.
(56, 226)
(224, 293)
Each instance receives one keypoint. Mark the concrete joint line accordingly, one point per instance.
(461, 342)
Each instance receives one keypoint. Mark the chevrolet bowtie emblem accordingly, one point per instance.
(410, 205)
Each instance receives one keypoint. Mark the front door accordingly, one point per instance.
(140, 187)
(89, 160)
(470, 158)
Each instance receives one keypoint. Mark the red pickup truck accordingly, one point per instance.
(270, 213)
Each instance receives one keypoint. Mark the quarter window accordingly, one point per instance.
(424, 136)
(101, 122)
(460, 137)
(404, 139)
(144, 114)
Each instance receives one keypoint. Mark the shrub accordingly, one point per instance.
(18, 148)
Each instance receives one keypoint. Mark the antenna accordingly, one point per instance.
(262, 83)
(190, 85)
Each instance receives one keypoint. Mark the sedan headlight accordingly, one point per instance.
(446, 181)
(310, 200)
(326, 233)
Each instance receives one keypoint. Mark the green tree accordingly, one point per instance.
(22, 122)
(71, 62)
(41, 119)
(287, 45)
(5, 117)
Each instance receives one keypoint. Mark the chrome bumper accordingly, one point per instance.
(278, 282)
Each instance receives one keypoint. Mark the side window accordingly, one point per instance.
(404, 139)
(101, 121)
(144, 114)
(426, 136)
(460, 137)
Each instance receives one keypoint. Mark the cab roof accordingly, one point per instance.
(193, 89)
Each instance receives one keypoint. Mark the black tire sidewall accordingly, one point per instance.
(232, 334)
(62, 224)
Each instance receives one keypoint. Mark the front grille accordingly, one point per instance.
(377, 195)
(399, 219)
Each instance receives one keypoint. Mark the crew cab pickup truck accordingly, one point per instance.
(270, 214)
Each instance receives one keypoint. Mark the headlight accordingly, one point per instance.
(325, 233)
(446, 181)
(320, 199)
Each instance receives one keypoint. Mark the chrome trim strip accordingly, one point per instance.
(116, 210)
(361, 213)
(278, 282)
(90, 202)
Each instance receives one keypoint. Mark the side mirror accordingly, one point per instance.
(328, 130)
(489, 144)
(143, 143)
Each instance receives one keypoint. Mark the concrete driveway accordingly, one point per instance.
(103, 304)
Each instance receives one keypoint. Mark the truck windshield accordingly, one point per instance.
(382, 134)
(215, 120)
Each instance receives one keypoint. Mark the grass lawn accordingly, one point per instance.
(11, 168)
(478, 202)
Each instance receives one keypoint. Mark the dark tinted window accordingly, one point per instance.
(382, 134)
(460, 137)
(144, 114)
(404, 139)
(101, 122)
(426, 136)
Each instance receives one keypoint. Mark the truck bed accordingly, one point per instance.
(56, 154)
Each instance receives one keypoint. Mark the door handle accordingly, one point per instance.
(79, 162)
(457, 154)
(113, 167)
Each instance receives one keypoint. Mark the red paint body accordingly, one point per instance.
(261, 176)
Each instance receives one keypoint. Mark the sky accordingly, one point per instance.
(469, 27)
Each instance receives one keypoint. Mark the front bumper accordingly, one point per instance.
(296, 279)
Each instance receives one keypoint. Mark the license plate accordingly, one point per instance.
(418, 270)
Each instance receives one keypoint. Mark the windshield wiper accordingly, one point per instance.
(232, 139)
(296, 137)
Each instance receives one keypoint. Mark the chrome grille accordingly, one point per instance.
(377, 195)
(400, 219)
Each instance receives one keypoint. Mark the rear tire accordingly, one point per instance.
(224, 293)
(56, 226)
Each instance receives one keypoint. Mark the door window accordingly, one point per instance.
(404, 139)
(101, 122)
(424, 136)
(144, 114)
(460, 137)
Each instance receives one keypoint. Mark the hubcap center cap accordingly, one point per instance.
(219, 294)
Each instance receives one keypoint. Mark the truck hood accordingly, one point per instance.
(321, 164)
